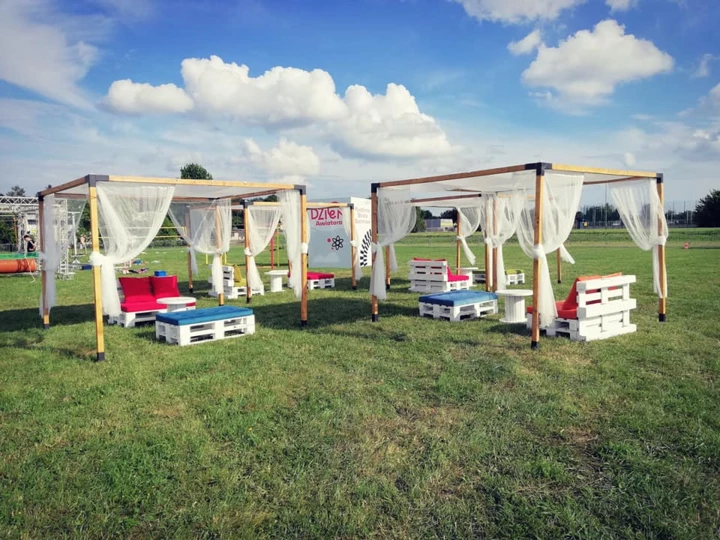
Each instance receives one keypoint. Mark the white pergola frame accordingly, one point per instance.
(594, 176)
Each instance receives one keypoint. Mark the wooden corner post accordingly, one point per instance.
(539, 190)
(97, 280)
(42, 246)
(303, 257)
(246, 221)
(353, 249)
(218, 246)
(662, 304)
(457, 243)
(374, 237)
(559, 266)
(495, 249)
(488, 266)
(188, 233)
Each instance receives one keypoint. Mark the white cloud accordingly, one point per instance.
(129, 97)
(129, 9)
(279, 97)
(584, 69)
(517, 11)
(621, 5)
(703, 69)
(287, 158)
(41, 57)
(629, 159)
(388, 125)
(527, 44)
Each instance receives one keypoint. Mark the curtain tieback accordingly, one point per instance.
(488, 241)
(354, 243)
(97, 258)
(248, 252)
(661, 240)
(538, 252)
(304, 248)
(459, 238)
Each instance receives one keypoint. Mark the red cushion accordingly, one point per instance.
(428, 260)
(164, 286)
(142, 305)
(571, 300)
(135, 287)
(453, 277)
(319, 275)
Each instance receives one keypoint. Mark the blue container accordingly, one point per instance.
(160, 273)
(86, 267)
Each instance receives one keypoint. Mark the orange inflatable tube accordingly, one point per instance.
(17, 266)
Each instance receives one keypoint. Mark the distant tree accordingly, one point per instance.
(419, 221)
(707, 211)
(271, 198)
(449, 214)
(427, 214)
(194, 171)
(16, 191)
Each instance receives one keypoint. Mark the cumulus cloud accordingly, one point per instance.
(287, 158)
(526, 45)
(584, 69)
(703, 70)
(130, 97)
(358, 123)
(42, 57)
(516, 11)
(621, 5)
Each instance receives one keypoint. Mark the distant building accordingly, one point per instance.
(439, 225)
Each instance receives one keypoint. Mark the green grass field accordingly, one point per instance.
(405, 428)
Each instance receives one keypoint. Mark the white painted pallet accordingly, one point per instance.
(432, 286)
(323, 283)
(458, 313)
(130, 319)
(193, 334)
(231, 293)
(515, 279)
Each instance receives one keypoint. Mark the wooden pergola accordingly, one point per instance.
(498, 180)
(190, 191)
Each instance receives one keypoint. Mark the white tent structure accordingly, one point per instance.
(541, 202)
(127, 212)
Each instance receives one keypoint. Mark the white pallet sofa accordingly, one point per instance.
(201, 325)
(458, 305)
(138, 298)
(596, 308)
(231, 290)
(435, 277)
(320, 280)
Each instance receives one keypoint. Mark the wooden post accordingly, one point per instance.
(488, 266)
(218, 245)
(248, 289)
(559, 266)
(539, 188)
(387, 268)
(374, 233)
(42, 246)
(303, 258)
(188, 233)
(662, 304)
(97, 280)
(353, 249)
(494, 249)
(457, 243)
(272, 251)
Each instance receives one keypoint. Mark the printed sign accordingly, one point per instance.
(330, 243)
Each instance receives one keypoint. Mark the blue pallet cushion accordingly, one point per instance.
(199, 316)
(458, 298)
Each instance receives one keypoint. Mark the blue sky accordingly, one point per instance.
(143, 86)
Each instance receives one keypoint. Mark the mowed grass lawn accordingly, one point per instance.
(405, 428)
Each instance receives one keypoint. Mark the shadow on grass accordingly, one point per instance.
(29, 318)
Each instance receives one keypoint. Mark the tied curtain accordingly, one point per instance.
(561, 200)
(469, 220)
(396, 219)
(501, 214)
(130, 217)
(262, 223)
(642, 212)
(205, 227)
(57, 234)
(290, 215)
(351, 231)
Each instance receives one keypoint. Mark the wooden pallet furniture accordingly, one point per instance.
(458, 305)
(234, 284)
(435, 277)
(201, 325)
(320, 280)
(140, 295)
(598, 307)
(512, 276)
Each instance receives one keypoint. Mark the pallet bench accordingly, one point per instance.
(232, 287)
(512, 276)
(320, 280)
(435, 277)
(458, 305)
(201, 325)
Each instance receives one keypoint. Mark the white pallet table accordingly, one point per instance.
(458, 313)
(515, 279)
(192, 334)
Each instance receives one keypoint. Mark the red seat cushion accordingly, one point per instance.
(141, 305)
(455, 277)
(135, 287)
(164, 286)
(319, 275)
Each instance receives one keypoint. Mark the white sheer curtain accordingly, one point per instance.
(396, 219)
(60, 221)
(643, 214)
(561, 199)
(290, 213)
(206, 227)
(130, 217)
(487, 226)
(505, 210)
(469, 220)
(351, 231)
(262, 223)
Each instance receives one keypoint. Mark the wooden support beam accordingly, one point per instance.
(65, 186)
(374, 237)
(246, 224)
(495, 249)
(218, 246)
(662, 304)
(596, 170)
(44, 277)
(559, 266)
(455, 176)
(539, 188)
(387, 268)
(353, 249)
(97, 280)
(303, 259)
(457, 244)
(188, 233)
